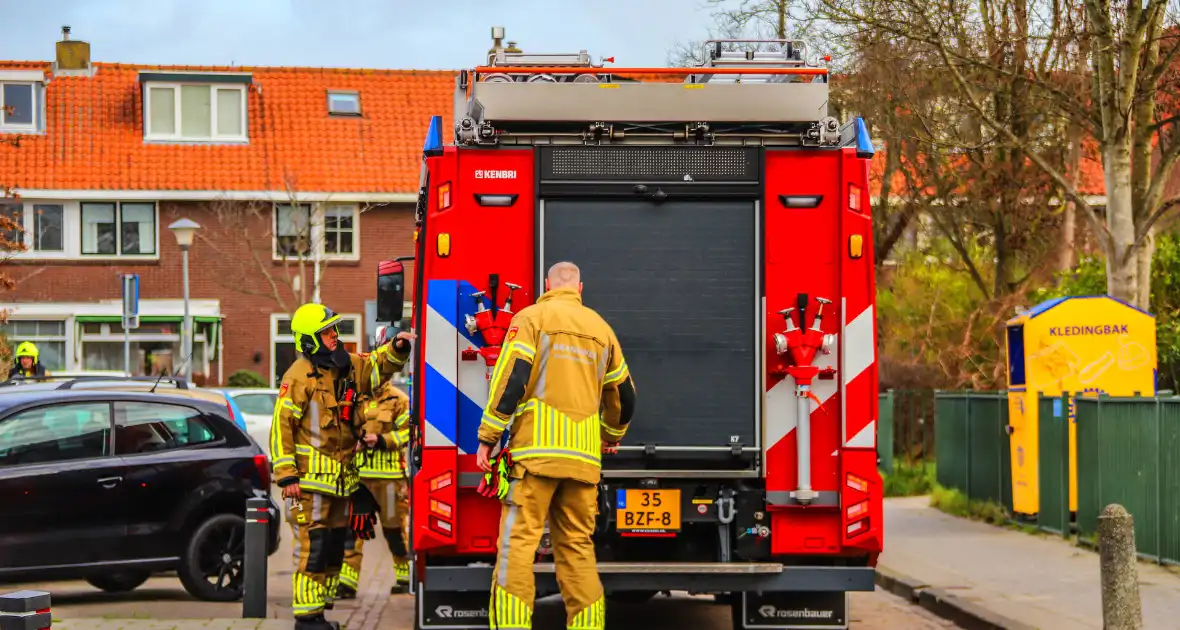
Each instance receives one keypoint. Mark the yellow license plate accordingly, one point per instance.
(648, 511)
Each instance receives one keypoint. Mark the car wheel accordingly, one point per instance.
(211, 567)
(118, 582)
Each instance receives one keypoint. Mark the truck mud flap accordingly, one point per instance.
(811, 610)
(451, 610)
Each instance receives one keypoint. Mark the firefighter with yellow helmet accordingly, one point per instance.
(382, 470)
(562, 383)
(27, 362)
(313, 443)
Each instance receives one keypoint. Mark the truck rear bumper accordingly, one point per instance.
(675, 576)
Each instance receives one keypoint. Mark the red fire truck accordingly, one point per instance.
(720, 217)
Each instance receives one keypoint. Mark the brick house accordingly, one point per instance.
(302, 179)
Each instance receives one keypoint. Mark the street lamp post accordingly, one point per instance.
(185, 230)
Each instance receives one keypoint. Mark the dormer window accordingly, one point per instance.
(21, 95)
(342, 103)
(194, 108)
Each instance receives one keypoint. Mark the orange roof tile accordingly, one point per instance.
(94, 135)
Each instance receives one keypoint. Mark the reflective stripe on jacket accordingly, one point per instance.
(562, 385)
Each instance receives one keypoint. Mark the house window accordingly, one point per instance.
(48, 225)
(338, 229)
(12, 226)
(344, 103)
(292, 229)
(201, 112)
(155, 348)
(48, 335)
(282, 342)
(307, 230)
(109, 228)
(18, 106)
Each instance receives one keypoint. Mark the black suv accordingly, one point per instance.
(112, 485)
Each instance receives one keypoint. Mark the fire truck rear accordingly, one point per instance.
(720, 217)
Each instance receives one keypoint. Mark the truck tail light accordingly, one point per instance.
(441, 481)
(263, 466)
(854, 197)
(440, 508)
(857, 528)
(858, 509)
(442, 527)
(858, 484)
(444, 196)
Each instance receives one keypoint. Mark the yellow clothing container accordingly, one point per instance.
(1082, 344)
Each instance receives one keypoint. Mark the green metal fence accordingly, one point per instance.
(1053, 418)
(972, 445)
(1129, 453)
(885, 432)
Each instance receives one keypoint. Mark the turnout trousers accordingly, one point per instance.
(319, 522)
(570, 507)
(393, 504)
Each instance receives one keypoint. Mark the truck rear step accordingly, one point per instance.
(712, 568)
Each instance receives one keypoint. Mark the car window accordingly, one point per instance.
(256, 403)
(56, 433)
(151, 427)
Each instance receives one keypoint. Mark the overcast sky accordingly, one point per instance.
(348, 33)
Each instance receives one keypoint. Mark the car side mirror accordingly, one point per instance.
(391, 290)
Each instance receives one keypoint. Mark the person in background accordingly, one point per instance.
(27, 362)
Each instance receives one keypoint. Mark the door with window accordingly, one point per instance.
(162, 447)
(62, 490)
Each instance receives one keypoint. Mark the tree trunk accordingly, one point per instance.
(1143, 259)
(1122, 263)
(1068, 243)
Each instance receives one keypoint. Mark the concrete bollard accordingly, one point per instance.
(1121, 609)
(254, 562)
(25, 610)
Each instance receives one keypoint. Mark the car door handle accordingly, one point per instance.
(110, 482)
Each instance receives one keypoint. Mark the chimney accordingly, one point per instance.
(497, 44)
(72, 55)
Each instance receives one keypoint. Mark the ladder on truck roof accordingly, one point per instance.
(736, 97)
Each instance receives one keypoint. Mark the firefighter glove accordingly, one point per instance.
(362, 517)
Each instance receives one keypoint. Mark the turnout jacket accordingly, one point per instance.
(562, 383)
(387, 414)
(309, 443)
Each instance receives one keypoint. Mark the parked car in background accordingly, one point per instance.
(257, 406)
(116, 482)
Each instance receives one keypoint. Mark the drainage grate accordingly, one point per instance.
(702, 164)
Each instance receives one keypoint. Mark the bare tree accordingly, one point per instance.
(1126, 53)
(279, 245)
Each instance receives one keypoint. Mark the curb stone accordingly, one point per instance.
(965, 613)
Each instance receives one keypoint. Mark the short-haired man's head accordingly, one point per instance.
(564, 275)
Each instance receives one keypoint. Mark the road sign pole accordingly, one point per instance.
(130, 316)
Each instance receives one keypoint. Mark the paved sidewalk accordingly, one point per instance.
(1041, 581)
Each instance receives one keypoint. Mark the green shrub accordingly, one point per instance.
(246, 378)
(909, 479)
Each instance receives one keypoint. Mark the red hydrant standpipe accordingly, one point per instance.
(492, 324)
(801, 345)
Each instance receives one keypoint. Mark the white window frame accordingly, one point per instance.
(178, 134)
(357, 338)
(64, 338)
(37, 102)
(344, 94)
(118, 255)
(318, 239)
(107, 336)
(72, 232)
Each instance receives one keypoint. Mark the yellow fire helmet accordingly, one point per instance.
(28, 349)
(308, 322)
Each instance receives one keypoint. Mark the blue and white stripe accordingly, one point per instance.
(455, 390)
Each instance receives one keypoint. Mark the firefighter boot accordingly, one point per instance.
(401, 564)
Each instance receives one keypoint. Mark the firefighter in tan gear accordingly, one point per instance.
(382, 470)
(313, 442)
(27, 362)
(562, 384)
